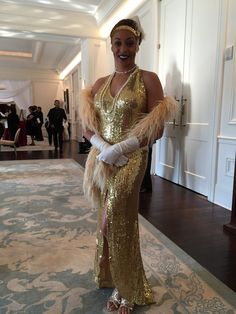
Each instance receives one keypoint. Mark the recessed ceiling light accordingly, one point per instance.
(37, 11)
(43, 21)
(78, 6)
(30, 36)
(9, 1)
(44, 2)
(5, 27)
(7, 33)
(20, 54)
(57, 17)
(71, 26)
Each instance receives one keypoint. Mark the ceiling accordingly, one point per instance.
(48, 31)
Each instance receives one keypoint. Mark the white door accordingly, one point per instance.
(186, 147)
(171, 66)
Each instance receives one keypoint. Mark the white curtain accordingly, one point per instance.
(18, 91)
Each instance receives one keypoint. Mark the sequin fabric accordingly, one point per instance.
(123, 268)
(118, 114)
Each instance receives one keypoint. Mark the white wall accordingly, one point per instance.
(226, 141)
(94, 60)
(46, 86)
(45, 92)
(92, 66)
(147, 56)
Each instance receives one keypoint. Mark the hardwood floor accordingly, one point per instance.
(187, 218)
(195, 225)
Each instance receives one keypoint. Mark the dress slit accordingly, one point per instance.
(104, 218)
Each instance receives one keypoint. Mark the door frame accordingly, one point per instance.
(222, 27)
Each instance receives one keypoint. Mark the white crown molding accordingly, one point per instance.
(105, 9)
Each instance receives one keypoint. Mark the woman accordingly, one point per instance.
(49, 130)
(39, 136)
(121, 114)
(32, 124)
(13, 122)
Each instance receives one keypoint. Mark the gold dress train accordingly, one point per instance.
(115, 118)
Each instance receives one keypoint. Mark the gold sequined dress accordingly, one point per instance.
(117, 189)
(117, 115)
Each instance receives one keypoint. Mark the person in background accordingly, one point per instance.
(49, 130)
(40, 124)
(56, 117)
(2, 128)
(117, 116)
(32, 124)
(13, 122)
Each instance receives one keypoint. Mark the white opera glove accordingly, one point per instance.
(110, 154)
(98, 142)
(121, 161)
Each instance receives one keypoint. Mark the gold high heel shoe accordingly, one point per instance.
(127, 305)
(113, 302)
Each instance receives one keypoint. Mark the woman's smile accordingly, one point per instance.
(123, 57)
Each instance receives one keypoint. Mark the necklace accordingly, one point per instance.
(112, 111)
(125, 72)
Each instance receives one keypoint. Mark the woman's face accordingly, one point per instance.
(124, 47)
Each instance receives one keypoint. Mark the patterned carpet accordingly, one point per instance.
(47, 248)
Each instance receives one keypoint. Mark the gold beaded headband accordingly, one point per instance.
(128, 28)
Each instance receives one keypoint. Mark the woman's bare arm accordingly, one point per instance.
(153, 88)
(154, 92)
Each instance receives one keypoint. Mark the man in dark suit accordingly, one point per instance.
(56, 116)
(39, 136)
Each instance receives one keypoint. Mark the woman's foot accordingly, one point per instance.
(125, 307)
(113, 302)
